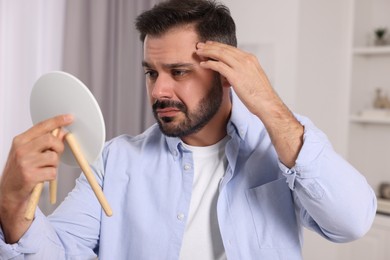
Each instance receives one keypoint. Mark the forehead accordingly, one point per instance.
(176, 45)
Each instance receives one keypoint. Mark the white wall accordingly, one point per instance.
(322, 67)
(272, 26)
(309, 42)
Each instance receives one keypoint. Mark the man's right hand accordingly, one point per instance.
(33, 158)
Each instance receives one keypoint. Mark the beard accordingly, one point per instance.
(195, 120)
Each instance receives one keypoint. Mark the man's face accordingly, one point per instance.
(184, 96)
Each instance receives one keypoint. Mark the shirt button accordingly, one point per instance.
(187, 167)
(290, 171)
(175, 153)
(180, 216)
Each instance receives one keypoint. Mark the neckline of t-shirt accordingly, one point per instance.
(204, 150)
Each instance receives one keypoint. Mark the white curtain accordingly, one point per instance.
(31, 37)
(103, 49)
(94, 40)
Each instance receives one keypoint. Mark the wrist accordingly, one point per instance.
(12, 220)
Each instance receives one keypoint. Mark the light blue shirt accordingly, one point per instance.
(262, 205)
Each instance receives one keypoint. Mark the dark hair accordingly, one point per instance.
(212, 20)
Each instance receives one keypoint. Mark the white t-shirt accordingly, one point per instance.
(202, 237)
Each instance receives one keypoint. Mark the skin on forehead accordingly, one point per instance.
(175, 46)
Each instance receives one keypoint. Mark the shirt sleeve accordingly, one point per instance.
(331, 196)
(39, 242)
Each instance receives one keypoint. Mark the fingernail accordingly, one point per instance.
(68, 118)
(200, 45)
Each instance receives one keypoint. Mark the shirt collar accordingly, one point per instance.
(239, 118)
(174, 145)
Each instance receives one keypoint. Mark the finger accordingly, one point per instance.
(53, 183)
(34, 162)
(217, 45)
(39, 168)
(44, 143)
(61, 134)
(47, 159)
(39, 175)
(25, 154)
(50, 125)
(44, 127)
(219, 52)
(48, 173)
(219, 67)
(31, 159)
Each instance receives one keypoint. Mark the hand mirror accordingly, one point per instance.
(57, 93)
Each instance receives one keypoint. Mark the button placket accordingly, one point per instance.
(187, 167)
(180, 216)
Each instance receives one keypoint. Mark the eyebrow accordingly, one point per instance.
(170, 65)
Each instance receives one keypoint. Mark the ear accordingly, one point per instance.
(225, 83)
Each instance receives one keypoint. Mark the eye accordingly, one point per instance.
(179, 73)
(152, 74)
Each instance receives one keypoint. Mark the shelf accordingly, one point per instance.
(370, 120)
(372, 51)
(383, 206)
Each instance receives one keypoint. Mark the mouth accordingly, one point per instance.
(167, 112)
(167, 109)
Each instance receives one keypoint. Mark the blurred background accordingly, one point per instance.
(328, 60)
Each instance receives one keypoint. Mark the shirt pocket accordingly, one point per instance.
(273, 215)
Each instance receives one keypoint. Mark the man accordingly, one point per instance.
(228, 171)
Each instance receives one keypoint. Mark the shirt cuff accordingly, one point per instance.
(7, 250)
(29, 243)
(307, 164)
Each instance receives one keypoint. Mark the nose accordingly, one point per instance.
(162, 87)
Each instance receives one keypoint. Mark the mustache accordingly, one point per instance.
(161, 104)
